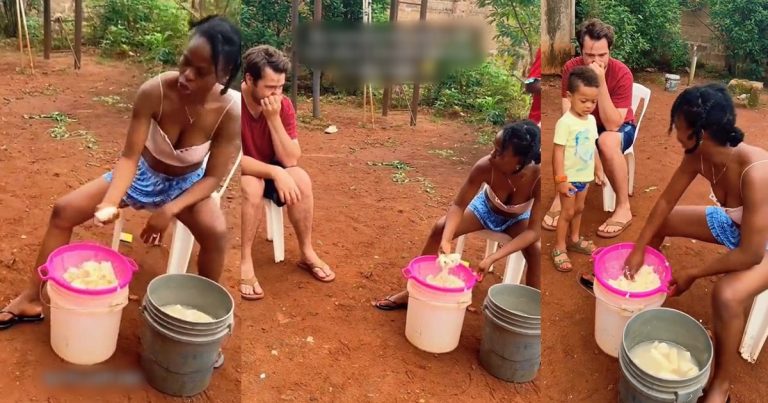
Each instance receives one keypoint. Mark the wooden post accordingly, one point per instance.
(387, 99)
(26, 32)
(318, 18)
(47, 40)
(294, 54)
(78, 34)
(558, 26)
(694, 58)
(416, 84)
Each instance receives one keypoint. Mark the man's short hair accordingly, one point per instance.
(259, 57)
(595, 30)
(582, 75)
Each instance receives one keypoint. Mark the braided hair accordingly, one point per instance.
(524, 139)
(224, 38)
(707, 108)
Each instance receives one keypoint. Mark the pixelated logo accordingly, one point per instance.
(390, 53)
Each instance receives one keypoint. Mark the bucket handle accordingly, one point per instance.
(407, 273)
(45, 275)
(132, 263)
(459, 303)
(48, 304)
(597, 252)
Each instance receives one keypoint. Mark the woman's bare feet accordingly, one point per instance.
(25, 308)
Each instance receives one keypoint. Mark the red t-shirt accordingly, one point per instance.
(618, 78)
(535, 113)
(257, 141)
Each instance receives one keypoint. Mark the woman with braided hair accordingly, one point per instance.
(502, 193)
(705, 121)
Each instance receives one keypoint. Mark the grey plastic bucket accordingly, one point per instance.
(670, 325)
(511, 346)
(671, 81)
(177, 355)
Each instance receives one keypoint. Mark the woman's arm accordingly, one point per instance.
(147, 98)
(681, 179)
(224, 148)
(754, 230)
(467, 192)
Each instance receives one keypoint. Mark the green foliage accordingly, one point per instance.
(647, 31)
(517, 25)
(155, 29)
(743, 25)
(266, 22)
(488, 92)
(269, 21)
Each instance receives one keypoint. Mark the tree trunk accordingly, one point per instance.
(558, 27)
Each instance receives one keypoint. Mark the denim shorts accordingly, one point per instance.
(151, 189)
(723, 229)
(489, 219)
(627, 132)
(580, 186)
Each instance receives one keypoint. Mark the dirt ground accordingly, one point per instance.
(574, 367)
(37, 170)
(367, 226)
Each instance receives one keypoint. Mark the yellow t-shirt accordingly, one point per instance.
(578, 135)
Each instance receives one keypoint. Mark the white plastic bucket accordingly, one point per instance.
(434, 319)
(612, 312)
(84, 328)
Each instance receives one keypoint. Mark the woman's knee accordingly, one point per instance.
(61, 214)
(608, 143)
(438, 227)
(214, 234)
(727, 298)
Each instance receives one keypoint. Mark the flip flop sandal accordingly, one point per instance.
(587, 282)
(312, 269)
(251, 282)
(559, 266)
(553, 215)
(393, 307)
(582, 246)
(15, 319)
(613, 223)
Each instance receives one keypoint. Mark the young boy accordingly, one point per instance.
(573, 163)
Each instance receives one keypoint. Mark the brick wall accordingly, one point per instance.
(465, 11)
(696, 27)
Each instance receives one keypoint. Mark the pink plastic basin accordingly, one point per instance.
(421, 267)
(609, 265)
(75, 254)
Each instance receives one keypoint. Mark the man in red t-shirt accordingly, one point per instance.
(615, 120)
(269, 167)
(533, 87)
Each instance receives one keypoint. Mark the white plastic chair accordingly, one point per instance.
(275, 229)
(182, 241)
(609, 196)
(513, 272)
(756, 331)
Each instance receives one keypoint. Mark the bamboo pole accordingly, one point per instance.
(26, 31)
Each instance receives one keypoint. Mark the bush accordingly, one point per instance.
(155, 29)
(743, 25)
(641, 26)
(488, 92)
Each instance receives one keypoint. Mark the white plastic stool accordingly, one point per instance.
(513, 272)
(756, 331)
(182, 241)
(275, 229)
(639, 92)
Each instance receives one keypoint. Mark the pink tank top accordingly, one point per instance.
(158, 144)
